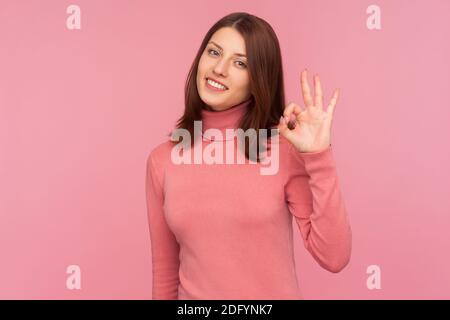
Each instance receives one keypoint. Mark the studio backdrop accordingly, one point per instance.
(89, 88)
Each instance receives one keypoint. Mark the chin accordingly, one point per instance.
(213, 101)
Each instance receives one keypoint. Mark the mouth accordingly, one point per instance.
(215, 85)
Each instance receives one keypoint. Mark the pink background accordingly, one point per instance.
(81, 109)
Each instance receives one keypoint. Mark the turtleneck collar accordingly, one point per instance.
(225, 119)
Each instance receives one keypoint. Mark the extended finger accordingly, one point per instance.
(318, 94)
(333, 102)
(306, 92)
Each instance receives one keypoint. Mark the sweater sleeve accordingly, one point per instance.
(164, 246)
(314, 198)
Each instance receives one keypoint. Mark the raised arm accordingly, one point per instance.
(314, 198)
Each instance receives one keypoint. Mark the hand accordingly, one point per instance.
(309, 129)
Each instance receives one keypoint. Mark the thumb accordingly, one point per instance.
(284, 130)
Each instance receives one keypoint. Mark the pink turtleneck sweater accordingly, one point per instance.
(224, 231)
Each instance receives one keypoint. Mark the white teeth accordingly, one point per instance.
(216, 85)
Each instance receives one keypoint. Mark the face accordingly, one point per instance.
(221, 61)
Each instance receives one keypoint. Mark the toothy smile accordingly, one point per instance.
(216, 84)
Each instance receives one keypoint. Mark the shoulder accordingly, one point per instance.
(160, 154)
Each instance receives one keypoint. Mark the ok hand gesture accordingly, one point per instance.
(309, 129)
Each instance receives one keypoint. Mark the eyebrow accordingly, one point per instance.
(236, 54)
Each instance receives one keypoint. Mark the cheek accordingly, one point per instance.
(200, 67)
(203, 64)
(242, 81)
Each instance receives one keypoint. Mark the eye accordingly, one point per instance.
(242, 64)
(209, 51)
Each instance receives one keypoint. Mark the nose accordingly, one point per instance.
(221, 68)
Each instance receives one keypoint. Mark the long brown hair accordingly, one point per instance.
(265, 75)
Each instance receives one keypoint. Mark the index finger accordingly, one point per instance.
(291, 109)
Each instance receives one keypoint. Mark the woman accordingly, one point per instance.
(224, 231)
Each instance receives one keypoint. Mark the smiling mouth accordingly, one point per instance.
(206, 80)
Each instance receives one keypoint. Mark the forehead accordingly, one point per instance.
(229, 39)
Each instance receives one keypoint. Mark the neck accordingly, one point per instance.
(225, 119)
